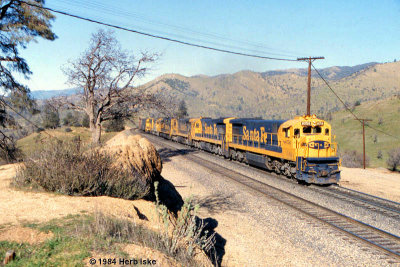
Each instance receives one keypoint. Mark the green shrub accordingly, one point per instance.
(61, 166)
(51, 118)
(85, 121)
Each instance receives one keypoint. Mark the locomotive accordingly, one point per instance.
(299, 148)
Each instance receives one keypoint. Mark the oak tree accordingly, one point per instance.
(106, 73)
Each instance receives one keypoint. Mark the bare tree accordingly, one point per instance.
(105, 72)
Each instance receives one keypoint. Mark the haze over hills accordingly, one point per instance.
(45, 94)
(279, 94)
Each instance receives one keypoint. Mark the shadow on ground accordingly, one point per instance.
(216, 203)
(167, 153)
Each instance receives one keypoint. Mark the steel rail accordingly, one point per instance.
(385, 206)
(384, 241)
(369, 196)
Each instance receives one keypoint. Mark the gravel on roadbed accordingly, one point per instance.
(259, 230)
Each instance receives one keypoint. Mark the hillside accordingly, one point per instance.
(385, 115)
(279, 94)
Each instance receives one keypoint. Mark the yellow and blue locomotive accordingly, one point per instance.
(299, 148)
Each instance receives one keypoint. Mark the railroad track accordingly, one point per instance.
(385, 206)
(387, 243)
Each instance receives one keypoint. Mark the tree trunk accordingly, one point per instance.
(96, 134)
(95, 126)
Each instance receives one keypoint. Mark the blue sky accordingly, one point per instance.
(345, 32)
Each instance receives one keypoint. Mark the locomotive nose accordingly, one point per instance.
(318, 144)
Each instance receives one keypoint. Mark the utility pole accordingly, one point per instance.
(310, 60)
(363, 124)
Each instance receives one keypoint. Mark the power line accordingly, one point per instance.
(348, 109)
(93, 5)
(157, 36)
(22, 116)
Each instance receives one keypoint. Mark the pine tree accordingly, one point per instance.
(182, 110)
(20, 23)
(51, 118)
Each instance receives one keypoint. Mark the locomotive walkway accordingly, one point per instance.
(385, 243)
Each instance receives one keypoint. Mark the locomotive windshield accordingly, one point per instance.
(311, 130)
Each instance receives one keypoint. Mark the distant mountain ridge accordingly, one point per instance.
(331, 73)
(46, 94)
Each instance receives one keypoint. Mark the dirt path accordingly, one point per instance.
(378, 182)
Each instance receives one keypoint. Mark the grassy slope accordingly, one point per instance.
(349, 132)
(33, 141)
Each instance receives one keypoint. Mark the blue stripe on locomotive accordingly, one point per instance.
(270, 127)
(210, 122)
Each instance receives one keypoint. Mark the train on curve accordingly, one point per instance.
(299, 148)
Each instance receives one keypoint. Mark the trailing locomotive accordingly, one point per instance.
(299, 148)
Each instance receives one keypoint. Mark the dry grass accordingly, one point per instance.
(63, 167)
(32, 142)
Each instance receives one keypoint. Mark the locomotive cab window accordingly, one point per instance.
(307, 129)
(312, 130)
(296, 133)
(287, 132)
(326, 131)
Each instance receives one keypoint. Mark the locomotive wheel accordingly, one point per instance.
(232, 154)
(277, 166)
(214, 149)
(239, 156)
